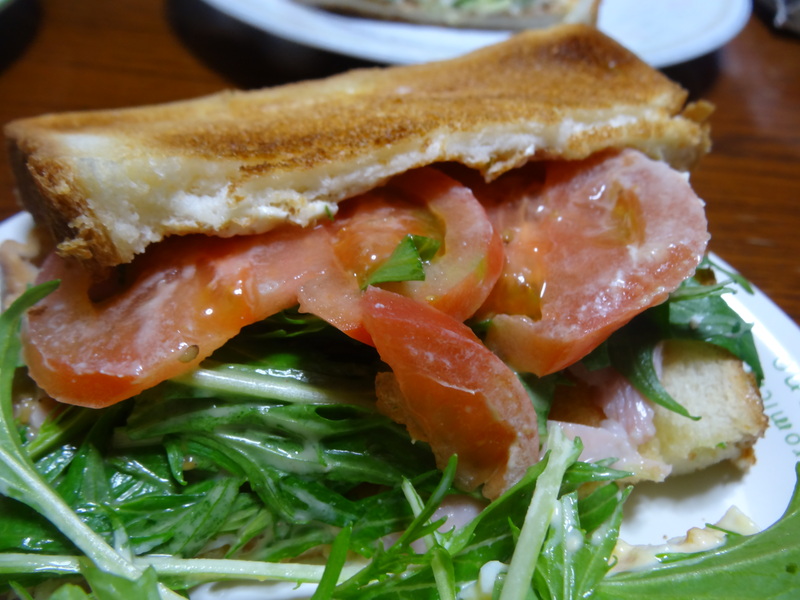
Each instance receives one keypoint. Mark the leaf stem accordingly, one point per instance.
(562, 453)
(253, 382)
(197, 570)
(439, 563)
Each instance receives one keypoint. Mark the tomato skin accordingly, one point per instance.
(362, 237)
(191, 295)
(465, 270)
(452, 392)
(423, 202)
(601, 241)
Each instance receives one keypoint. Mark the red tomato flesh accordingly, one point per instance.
(186, 297)
(452, 392)
(181, 301)
(583, 250)
(597, 243)
(422, 202)
(464, 271)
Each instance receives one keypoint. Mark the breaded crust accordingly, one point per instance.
(707, 380)
(108, 183)
(711, 384)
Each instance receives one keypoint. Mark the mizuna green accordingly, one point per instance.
(273, 449)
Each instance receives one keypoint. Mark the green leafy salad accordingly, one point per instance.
(271, 463)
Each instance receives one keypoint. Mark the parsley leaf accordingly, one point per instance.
(407, 262)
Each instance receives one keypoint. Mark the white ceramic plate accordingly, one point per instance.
(662, 32)
(658, 511)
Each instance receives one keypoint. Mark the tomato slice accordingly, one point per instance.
(423, 202)
(607, 249)
(465, 270)
(451, 391)
(178, 302)
(363, 236)
(186, 297)
(594, 245)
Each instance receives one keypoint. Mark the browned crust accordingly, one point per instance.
(712, 384)
(321, 129)
(48, 192)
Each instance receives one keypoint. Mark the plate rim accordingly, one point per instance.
(333, 30)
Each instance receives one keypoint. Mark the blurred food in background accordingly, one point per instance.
(490, 14)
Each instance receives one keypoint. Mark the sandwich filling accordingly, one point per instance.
(543, 263)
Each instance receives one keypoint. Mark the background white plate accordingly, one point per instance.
(662, 32)
(655, 512)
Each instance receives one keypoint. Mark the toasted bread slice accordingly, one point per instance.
(514, 14)
(108, 183)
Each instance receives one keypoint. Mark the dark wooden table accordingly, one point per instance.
(66, 55)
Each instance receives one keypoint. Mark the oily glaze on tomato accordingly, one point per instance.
(464, 271)
(172, 307)
(186, 297)
(595, 244)
(451, 391)
(364, 235)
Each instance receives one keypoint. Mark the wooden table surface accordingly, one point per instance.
(67, 55)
